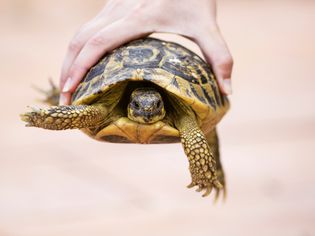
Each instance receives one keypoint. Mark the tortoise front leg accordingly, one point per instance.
(202, 164)
(66, 117)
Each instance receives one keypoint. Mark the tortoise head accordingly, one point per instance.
(146, 106)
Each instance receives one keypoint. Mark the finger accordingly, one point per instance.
(75, 46)
(218, 56)
(107, 39)
(112, 12)
(65, 98)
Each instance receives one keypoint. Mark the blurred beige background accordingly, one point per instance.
(63, 183)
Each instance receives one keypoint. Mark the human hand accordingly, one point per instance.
(121, 21)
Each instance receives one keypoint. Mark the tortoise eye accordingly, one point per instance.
(136, 105)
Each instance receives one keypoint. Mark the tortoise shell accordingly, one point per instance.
(169, 66)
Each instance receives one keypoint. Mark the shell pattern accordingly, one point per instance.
(169, 65)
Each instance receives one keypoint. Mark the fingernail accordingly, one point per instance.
(227, 86)
(62, 99)
(67, 85)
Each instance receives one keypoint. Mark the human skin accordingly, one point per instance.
(121, 21)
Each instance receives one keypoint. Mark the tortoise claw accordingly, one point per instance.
(217, 184)
(208, 191)
(199, 189)
(27, 117)
(31, 116)
(224, 193)
(192, 184)
(217, 195)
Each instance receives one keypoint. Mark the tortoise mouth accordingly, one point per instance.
(146, 118)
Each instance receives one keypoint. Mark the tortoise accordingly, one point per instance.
(148, 91)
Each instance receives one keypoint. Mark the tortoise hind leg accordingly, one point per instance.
(213, 142)
(51, 96)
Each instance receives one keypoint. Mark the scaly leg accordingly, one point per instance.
(213, 142)
(66, 117)
(202, 163)
(73, 116)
